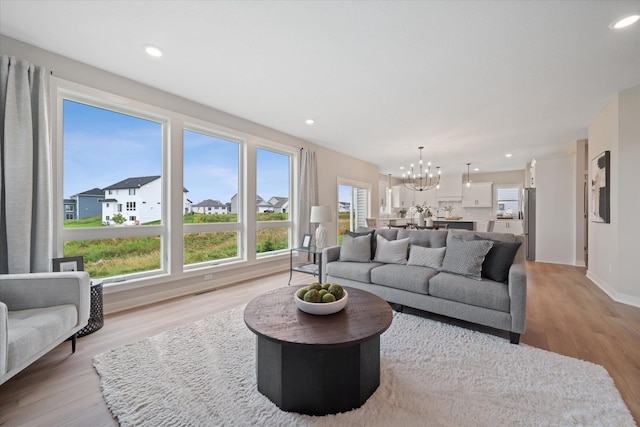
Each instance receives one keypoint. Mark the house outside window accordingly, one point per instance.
(131, 206)
(132, 191)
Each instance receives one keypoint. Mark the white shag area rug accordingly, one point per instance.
(432, 374)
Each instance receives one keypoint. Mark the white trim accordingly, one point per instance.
(612, 293)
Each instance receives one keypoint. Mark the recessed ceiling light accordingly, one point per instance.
(508, 155)
(624, 22)
(476, 169)
(309, 121)
(152, 50)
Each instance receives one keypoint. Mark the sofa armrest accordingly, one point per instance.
(39, 290)
(518, 296)
(329, 254)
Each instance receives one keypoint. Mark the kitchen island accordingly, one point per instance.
(458, 224)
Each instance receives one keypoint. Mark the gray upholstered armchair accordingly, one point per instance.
(38, 311)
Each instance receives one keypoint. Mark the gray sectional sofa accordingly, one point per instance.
(478, 277)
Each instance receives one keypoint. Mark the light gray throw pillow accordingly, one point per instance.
(426, 257)
(356, 249)
(466, 257)
(391, 251)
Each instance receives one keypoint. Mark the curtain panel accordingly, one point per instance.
(308, 190)
(25, 168)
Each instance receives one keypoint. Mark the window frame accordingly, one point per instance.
(172, 241)
(64, 90)
(291, 223)
(518, 199)
(215, 227)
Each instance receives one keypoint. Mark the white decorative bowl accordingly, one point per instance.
(321, 308)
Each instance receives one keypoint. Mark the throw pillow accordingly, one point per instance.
(355, 249)
(499, 259)
(365, 233)
(391, 251)
(426, 257)
(465, 257)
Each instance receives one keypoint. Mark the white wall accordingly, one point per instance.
(614, 250)
(555, 210)
(582, 178)
(331, 165)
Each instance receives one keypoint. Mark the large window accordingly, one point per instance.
(211, 178)
(273, 200)
(104, 147)
(171, 190)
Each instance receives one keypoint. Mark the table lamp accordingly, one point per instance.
(320, 214)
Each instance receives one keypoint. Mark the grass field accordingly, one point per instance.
(118, 256)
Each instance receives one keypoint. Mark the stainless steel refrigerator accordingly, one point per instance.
(530, 222)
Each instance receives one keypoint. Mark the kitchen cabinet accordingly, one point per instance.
(383, 195)
(402, 197)
(513, 226)
(450, 188)
(479, 195)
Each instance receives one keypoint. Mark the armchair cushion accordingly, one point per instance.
(30, 330)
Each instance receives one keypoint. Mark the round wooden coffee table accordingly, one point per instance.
(317, 365)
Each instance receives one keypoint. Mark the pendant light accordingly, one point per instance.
(468, 176)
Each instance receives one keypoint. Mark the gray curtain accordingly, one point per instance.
(308, 195)
(25, 175)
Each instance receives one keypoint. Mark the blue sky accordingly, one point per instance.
(102, 147)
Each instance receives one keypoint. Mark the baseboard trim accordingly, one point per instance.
(199, 287)
(612, 293)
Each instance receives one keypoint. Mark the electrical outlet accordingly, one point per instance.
(208, 276)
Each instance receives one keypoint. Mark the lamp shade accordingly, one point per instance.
(321, 214)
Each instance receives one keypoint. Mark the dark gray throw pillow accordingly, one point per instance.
(499, 259)
(465, 257)
(364, 233)
(355, 249)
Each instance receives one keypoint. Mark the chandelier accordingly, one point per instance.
(421, 178)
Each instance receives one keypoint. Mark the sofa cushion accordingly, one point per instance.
(498, 260)
(356, 248)
(391, 251)
(31, 330)
(359, 271)
(387, 233)
(426, 238)
(408, 277)
(485, 293)
(465, 257)
(371, 234)
(426, 257)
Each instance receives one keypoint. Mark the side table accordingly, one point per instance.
(313, 267)
(96, 316)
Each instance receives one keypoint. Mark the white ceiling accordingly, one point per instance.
(471, 81)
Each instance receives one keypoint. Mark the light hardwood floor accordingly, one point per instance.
(567, 314)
